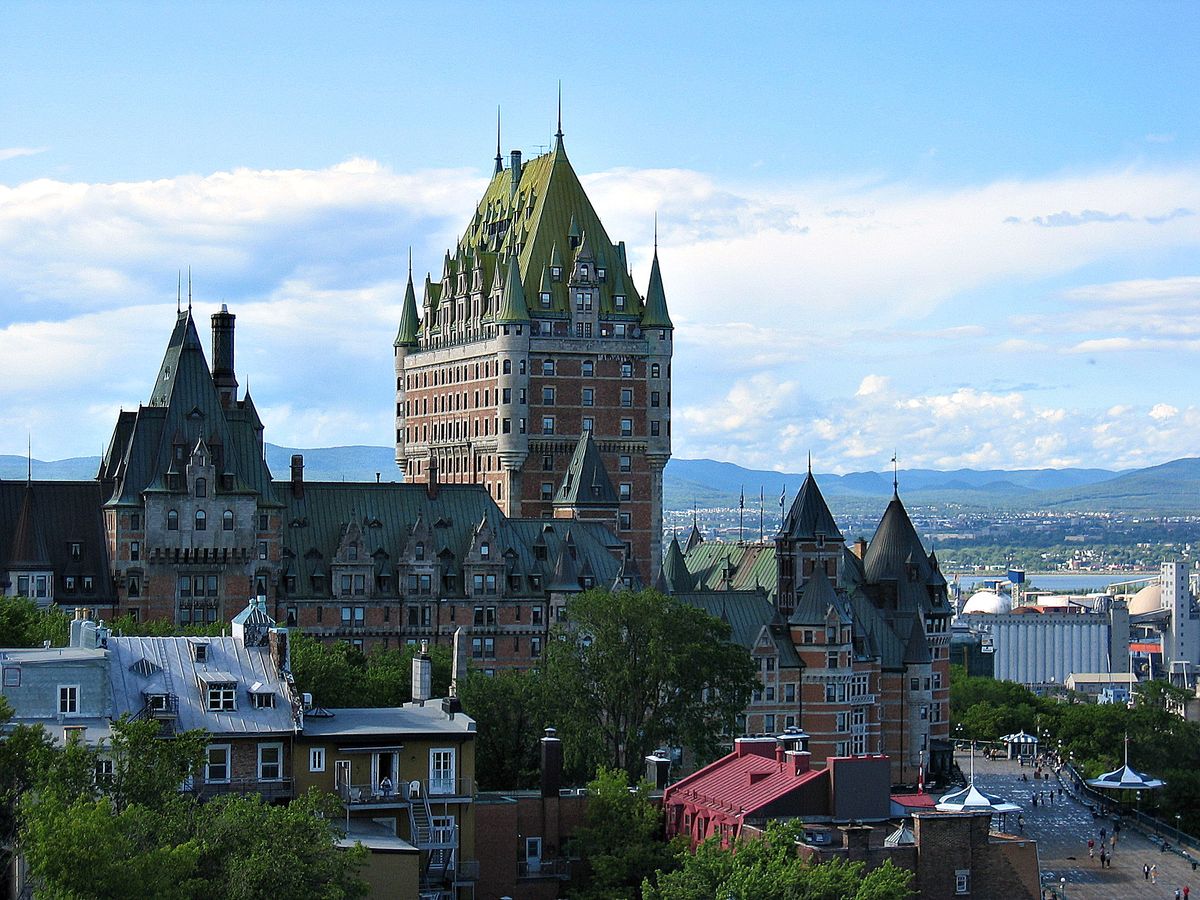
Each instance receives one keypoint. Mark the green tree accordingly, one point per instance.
(339, 675)
(636, 670)
(24, 624)
(621, 840)
(510, 711)
(768, 868)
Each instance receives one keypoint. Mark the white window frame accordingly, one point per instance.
(962, 881)
(208, 751)
(439, 782)
(68, 699)
(221, 697)
(273, 745)
(316, 759)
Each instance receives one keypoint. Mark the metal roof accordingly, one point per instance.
(409, 719)
(227, 659)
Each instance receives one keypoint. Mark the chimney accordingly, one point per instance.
(222, 353)
(797, 761)
(281, 652)
(552, 762)
(458, 665)
(431, 482)
(76, 625)
(658, 769)
(515, 172)
(297, 475)
(860, 548)
(422, 675)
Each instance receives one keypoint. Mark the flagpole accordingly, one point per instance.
(742, 516)
(762, 499)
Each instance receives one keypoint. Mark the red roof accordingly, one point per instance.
(737, 785)
(914, 801)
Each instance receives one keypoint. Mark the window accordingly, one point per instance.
(135, 521)
(627, 428)
(262, 549)
(789, 693)
(548, 396)
(547, 367)
(626, 490)
(547, 490)
(68, 699)
(222, 697)
(135, 586)
(547, 463)
(12, 676)
(172, 520)
(216, 764)
(506, 426)
(262, 700)
(625, 463)
(506, 366)
(201, 487)
(589, 397)
(264, 521)
(70, 584)
(359, 615)
(589, 424)
(547, 424)
(316, 759)
(655, 428)
(588, 368)
(201, 520)
(655, 370)
(914, 684)
(626, 397)
(441, 770)
(419, 550)
(655, 398)
(626, 521)
(270, 762)
(135, 551)
(485, 550)
(626, 370)
(619, 302)
(962, 881)
(545, 295)
(535, 647)
(227, 520)
(831, 659)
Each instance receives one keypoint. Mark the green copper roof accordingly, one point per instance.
(513, 308)
(409, 322)
(815, 600)
(655, 315)
(586, 481)
(675, 574)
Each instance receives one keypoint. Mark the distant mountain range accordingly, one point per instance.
(1170, 488)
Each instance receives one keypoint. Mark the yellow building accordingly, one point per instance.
(406, 778)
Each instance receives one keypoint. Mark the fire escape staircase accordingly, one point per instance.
(438, 851)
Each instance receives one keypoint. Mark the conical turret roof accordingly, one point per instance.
(586, 481)
(895, 545)
(29, 543)
(675, 574)
(815, 600)
(513, 309)
(409, 322)
(809, 515)
(655, 314)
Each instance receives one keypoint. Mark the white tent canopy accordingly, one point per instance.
(1126, 777)
(971, 799)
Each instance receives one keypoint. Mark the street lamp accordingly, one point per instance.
(1062, 883)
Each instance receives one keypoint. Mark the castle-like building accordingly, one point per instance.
(533, 335)
(852, 643)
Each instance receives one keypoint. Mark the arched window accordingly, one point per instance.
(172, 520)
(227, 520)
(508, 367)
(201, 487)
(201, 520)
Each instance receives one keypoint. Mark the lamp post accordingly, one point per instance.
(1062, 887)
(1178, 831)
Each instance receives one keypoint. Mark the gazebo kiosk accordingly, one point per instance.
(1021, 745)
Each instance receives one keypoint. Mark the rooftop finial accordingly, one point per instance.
(499, 158)
(28, 457)
(895, 474)
(410, 262)
(178, 291)
(558, 135)
(656, 232)
(189, 288)
(809, 462)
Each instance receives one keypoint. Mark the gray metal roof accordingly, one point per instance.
(379, 722)
(181, 675)
(747, 613)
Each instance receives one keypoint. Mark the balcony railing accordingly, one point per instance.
(435, 790)
(544, 868)
(281, 789)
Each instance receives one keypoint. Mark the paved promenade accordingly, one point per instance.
(1062, 830)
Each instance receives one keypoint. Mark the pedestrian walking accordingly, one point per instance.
(1146, 871)
(1187, 889)
(1177, 893)
(1091, 849)
(1154, 874)
(1102, 857)
(1103, 834)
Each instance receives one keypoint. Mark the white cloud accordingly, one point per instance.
(872, 384)
(7, 153)
(1161, 411)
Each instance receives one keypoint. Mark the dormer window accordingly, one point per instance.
(619, 302)
(200, 651)
(545, 299)
(485, 550)
(583, 270)
(353, 552)
(222, 696)
(419, 551)
(600, 273)
(556, 273)
(76, 550)
(261, 698)
(201, 487)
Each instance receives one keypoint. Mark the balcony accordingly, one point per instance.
(271, 791)
(544, 868)
(439, 789)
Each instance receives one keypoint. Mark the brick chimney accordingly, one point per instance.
(431, 483)
(222, 354)
(297, 475)
(552, 763)
(860, 548)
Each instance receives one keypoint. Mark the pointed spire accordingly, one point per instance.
(895, 474)
(558, 135)
(189, 288)
(499, 158)
(409, 322)
(178, 291)
(28, 458)
(809, 462)
(655, 314)
(513, 308)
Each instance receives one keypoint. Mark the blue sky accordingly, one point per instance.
(968, 231)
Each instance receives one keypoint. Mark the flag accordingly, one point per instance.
(742, 499)
(782, 496)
